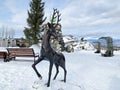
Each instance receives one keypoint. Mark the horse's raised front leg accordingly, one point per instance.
(50, 72)
(34, 64)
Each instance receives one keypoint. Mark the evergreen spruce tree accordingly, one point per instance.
(35, 20)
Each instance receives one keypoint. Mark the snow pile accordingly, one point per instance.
(69, 39)
(3, 49)
(77, 44)
(84, 45)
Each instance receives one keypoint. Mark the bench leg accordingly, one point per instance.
(5, 57)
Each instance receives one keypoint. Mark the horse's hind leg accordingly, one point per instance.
(57, 71)
(65, 71)
(34, 64)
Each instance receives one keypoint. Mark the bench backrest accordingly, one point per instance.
(21, 51)
(2, 54)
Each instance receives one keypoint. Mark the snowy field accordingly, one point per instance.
(86, 71)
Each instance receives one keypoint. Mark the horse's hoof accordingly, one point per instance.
(63, 80)
(40, 77)
(54, 78)
(46, 84)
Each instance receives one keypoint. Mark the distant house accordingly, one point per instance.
(17, 42)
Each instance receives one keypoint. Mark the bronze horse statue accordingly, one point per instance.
(48, 53)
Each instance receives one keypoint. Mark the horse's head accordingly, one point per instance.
(52, 30)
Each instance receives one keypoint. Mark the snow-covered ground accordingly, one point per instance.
(85, 71)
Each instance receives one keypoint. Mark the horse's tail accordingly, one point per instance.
(63, 57)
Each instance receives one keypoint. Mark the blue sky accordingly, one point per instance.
(79, 17)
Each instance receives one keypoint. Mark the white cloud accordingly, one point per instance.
(82, 14)
(11, 5)
(20, 18)
(18, 14)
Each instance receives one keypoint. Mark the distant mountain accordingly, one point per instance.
(116, 42)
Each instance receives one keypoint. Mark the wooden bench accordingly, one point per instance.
(3, 55)
(21, 52)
